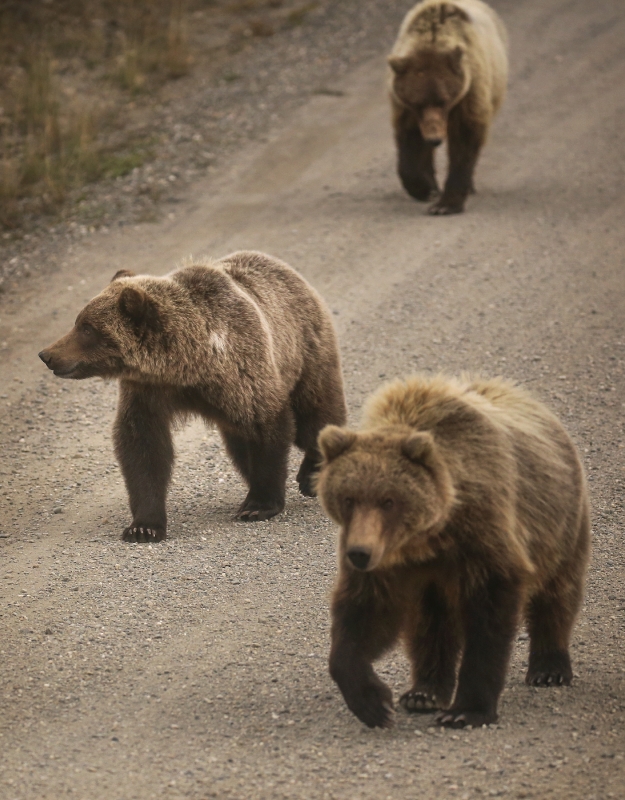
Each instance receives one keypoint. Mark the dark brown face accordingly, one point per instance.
(430, 83)
(84, 352)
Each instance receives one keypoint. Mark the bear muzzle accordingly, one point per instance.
(433, 125)
(364, 541)
(359, 557)
(60, 369)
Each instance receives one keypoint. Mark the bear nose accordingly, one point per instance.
(359, 556)
(45, 358)
(434, 142)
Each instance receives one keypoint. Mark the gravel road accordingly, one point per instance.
(197, 668)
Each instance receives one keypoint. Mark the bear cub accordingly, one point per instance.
(463, 510)
(449, 69)
(245, 342)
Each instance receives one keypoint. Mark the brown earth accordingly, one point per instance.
(197, 668)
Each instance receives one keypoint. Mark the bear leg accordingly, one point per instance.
(550, 615)
(433, 646)
(465, 140)
(145, 451)
(316, 403)
(363, 627)
(239, 451)
(550, 618)
(266, 467)
(415, 159)
(490, 620)
(308, 469)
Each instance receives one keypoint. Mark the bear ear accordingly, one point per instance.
(139, 308)
(122, 273)
(399, 64)
(419, 447)
(334, 440)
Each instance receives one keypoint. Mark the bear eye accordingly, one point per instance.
(388, 504)
(87, 329)
(348, 502)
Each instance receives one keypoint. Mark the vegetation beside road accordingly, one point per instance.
(78, 80)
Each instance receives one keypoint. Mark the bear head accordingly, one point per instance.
(430, 83)
(390, 491)
(106, 332)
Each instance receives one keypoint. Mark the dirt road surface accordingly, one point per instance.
(197, 668)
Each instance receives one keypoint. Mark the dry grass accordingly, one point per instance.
(70, 69)
(53, 130)
(151, 42)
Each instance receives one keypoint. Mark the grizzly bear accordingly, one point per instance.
(463, 509)
(449, 69)
(244, 342)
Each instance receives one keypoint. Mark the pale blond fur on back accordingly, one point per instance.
(515, 431)
(482, 37)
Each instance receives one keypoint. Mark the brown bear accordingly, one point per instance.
(463, 509)
(449, 69)
(244, 342)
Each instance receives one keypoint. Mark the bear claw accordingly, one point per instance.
(548, 679)
(464, 719)
(256, 514)
(142, 533)
(452, 720)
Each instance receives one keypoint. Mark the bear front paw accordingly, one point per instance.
(252, 511)
(307, 485)
(307, 477)
(143, 533)
(372, 704)
(417, 700)
(549, 669)
(443, 207)
(455, 718)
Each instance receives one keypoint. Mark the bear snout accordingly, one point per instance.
(364, 538)
(45, 356)
(359, 557)
(433, 124)
(61, 367)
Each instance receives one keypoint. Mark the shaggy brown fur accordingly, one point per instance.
(245, 342)
(463, 509)
(448, 78)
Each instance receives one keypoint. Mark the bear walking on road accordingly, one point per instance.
(244, 342)
(463, 509)
(449, 69)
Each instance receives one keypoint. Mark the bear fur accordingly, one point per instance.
(463, 510)
(449, 69)
(244, 342)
